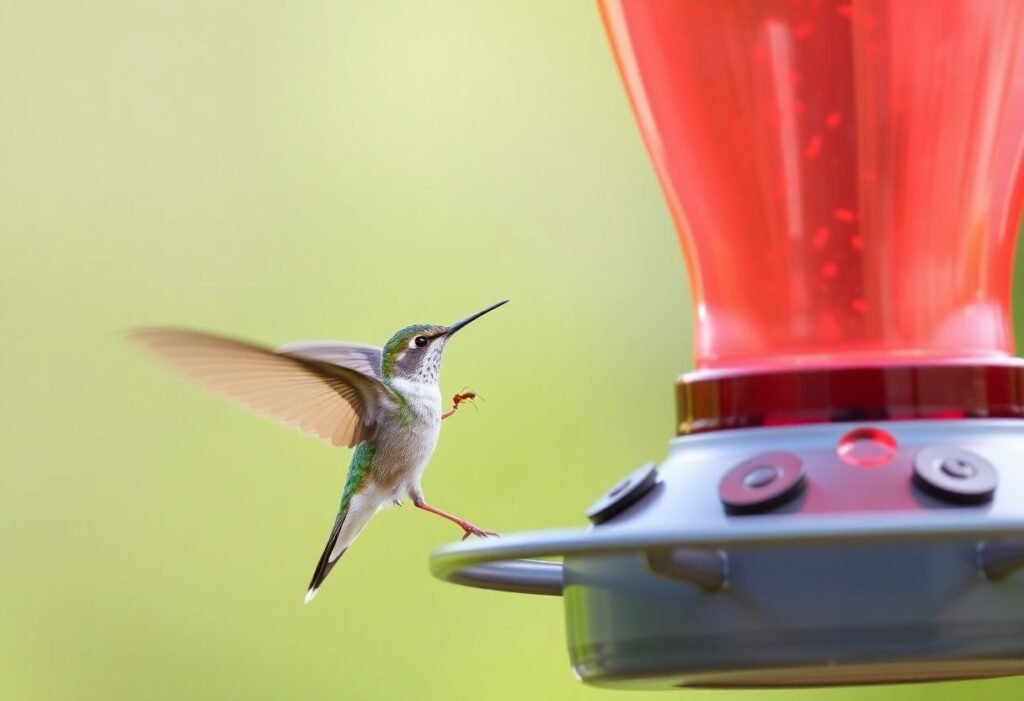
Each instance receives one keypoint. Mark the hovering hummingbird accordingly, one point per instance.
(384, 402)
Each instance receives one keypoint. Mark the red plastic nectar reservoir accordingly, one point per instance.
(844, 178)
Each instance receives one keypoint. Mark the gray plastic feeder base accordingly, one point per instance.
(849, 574)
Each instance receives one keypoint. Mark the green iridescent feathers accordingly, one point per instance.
(359, 468)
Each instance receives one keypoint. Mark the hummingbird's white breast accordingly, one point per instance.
(404, 448)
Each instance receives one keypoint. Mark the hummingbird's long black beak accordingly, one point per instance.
(472, 317)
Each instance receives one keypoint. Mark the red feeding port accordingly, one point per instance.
(844, 176)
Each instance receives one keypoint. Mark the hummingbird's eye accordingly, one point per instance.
(420, 341)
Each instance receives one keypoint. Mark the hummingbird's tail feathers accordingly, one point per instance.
(326, 562)
(346, 527)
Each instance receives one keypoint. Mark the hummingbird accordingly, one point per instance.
(384, 402)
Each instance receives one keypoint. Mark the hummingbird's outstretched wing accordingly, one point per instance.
(357, 356)
(339, 404)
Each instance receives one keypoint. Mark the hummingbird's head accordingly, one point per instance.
(414, 353)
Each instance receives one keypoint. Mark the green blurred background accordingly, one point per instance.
(282, 171)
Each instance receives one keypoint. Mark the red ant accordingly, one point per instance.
(462, 396)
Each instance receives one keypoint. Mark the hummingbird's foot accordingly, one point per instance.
(462, 396)
(468, 528)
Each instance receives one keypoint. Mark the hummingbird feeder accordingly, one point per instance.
(844, 500)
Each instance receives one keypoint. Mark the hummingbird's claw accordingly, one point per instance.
(469, 529)
(397, 502)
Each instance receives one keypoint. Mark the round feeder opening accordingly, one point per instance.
(866, 447)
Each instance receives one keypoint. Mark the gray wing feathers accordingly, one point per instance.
(356, 356)
(338, 404)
